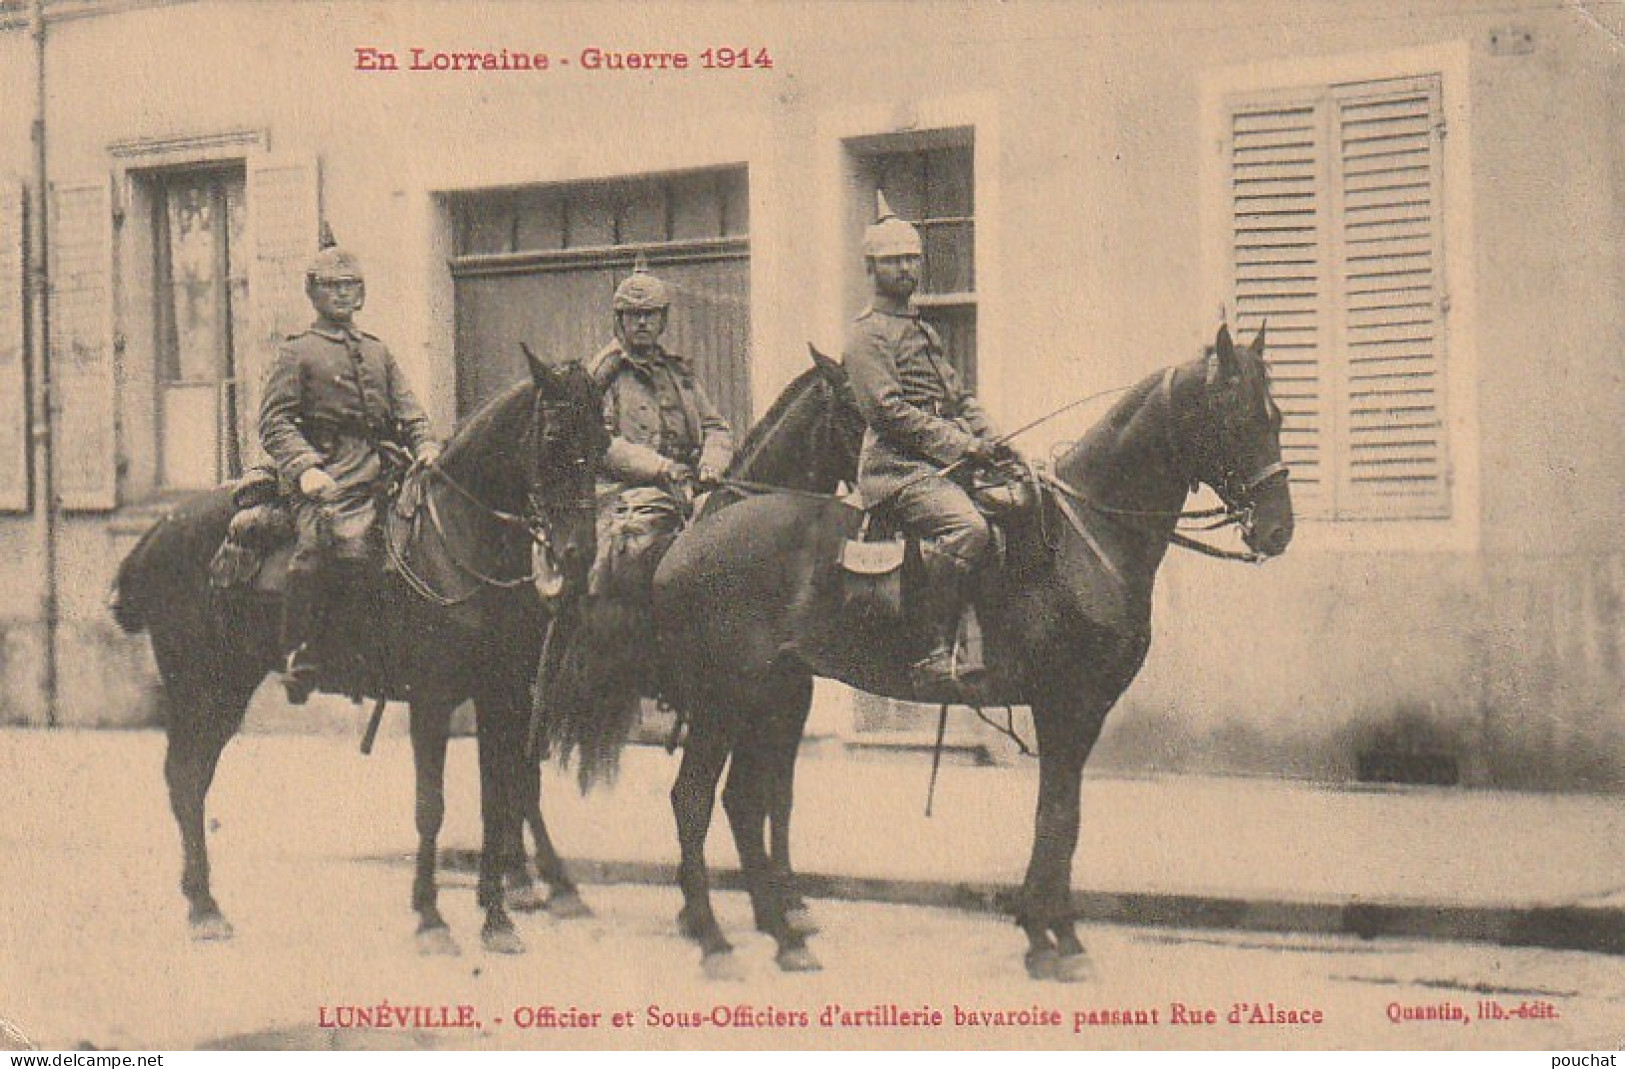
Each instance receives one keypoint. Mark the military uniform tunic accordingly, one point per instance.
(657, 411)
(920, 419)
(333, 394)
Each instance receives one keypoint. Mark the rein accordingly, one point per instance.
(1227, 515)
(425, 589)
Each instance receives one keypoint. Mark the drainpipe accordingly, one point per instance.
(44, 408)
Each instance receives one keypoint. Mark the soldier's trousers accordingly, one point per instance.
(332, 541)
(941, 514)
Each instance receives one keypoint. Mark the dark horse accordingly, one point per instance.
(806, 444)
(459, 617)
(750, 607)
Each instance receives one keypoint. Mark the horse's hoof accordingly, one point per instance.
(801, 921)
(502, 941)
(798, 959)
(1074, 968)
(568, 906)
(525, 899)
(1043, 964)
(211, 928)
(722, 965)
(437, 943)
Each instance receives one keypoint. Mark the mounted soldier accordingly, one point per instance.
(335, 402)
(666, 437)
(923, 426)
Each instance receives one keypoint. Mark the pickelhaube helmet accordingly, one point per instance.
(332, 263)
(889, 235)
(641, 291)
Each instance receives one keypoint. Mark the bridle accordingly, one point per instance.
(536, 524)
(1238, 494)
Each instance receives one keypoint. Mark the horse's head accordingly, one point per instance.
(841, 432)
(565, 443)
(809, 438)
(1234, 443)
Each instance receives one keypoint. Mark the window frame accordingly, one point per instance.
(1455, 526)
(230, 449)
(940, 308)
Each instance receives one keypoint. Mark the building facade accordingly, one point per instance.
(1425, 202)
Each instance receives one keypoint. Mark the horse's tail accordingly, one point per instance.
(589, 688)
(130, 598)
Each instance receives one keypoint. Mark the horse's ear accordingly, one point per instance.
(830, 369)
(1225, 349)
(546, 379)
(1257, 347)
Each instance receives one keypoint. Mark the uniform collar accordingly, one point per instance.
(911, 312)
(336, 331)
(645, 365)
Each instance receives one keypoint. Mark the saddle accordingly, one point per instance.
(632, 538)
(253, 560)
(882, 571)
(259, 540)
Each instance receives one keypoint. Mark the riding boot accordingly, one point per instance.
(302, 612)
(939, 675)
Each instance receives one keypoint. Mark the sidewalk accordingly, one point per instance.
(1450, 863)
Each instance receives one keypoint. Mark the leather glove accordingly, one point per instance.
(984, 452)
(676, 476)
(317, 485)
(428, 453)
(1005, 453)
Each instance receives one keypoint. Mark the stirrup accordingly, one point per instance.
(299, 676)
(938, 676)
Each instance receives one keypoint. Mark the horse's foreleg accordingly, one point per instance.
(745, 800)
(782, 747)
(693, 799)
(201, 722)
(564, 898)
(521, 894)
(499, 746)
(431, 724)
(1066, 733)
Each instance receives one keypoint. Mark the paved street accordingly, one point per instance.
(309, 841)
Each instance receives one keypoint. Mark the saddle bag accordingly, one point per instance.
(872, 571)
(253, 534)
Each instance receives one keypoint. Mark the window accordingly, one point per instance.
(1335, 238)
(693, 207)
(932, 186)
(928, 178)
(539, 264)
(200, 317)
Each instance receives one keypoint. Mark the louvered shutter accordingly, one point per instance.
(1393, 328)
(14, 400)
(82, 352)
(1278, 261)
(1336, 239)
(284, 224)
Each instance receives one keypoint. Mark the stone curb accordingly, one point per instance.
(1599, 929)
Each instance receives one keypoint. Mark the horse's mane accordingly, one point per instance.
(1110, 426)
(488, 419)
(763, 428)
